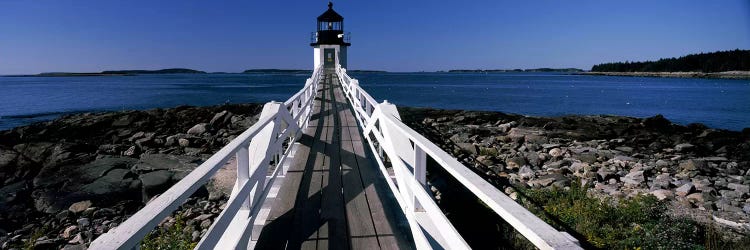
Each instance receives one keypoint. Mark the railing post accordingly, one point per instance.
(243, 172)
(295, 106)
(420, 172)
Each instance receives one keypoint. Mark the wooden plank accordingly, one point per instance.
(304, 229)
(275, 233)
(383, 215)
(332, 207)
(361, 228)
(345, 134)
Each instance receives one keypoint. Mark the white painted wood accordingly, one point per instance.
(252, 149)
(420, 173)
(397, 138)
(245, 213)
(243, 172)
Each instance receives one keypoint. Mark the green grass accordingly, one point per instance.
(38, 233)
(641, 222)
(171, 238)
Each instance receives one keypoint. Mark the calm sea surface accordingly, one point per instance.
(714, 102)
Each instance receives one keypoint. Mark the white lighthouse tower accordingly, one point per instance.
(329, 42)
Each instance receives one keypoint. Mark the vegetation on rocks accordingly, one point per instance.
(174, 237)
(641, 221)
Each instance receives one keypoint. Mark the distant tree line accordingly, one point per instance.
(704, 62)
(513, 70)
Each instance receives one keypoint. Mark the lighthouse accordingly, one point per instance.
(329, 42)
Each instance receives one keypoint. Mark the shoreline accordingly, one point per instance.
(698, 173)
(740, 75)
(134, 155)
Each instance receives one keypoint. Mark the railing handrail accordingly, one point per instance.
(395, 139)
(294, 113)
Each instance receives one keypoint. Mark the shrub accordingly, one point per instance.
(639, 222)
(174, 237)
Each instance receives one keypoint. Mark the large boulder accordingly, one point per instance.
(198, 129)
(220, 119)
(155, 182)
(104, 180)
(173, 163)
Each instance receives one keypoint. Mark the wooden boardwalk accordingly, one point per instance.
(333, 196)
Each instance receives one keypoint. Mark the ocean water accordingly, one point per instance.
(717, 103)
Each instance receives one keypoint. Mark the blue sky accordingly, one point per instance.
(84, 36)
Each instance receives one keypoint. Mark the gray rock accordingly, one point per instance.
(587, 157)
(215, 195)
(684, 147)
(662, 163)
(746, 208)
(220, 119)
(605, 174)
(701, 197)
(728, 194)
(203, 217)
(634, 178)
(739, 188)
(83, 222)
(206, 224)
(526, 172)
(155, 179)
(468, 147)
(460, 137)
(624, 149)
(533, 159)
(546, 180)
(104, 212)
(505, 127)
(195, 236)
(117, 181)
(151, 162)
(132, 150)
(183, 142)
(69, 231)
(555, 152)
(198, 129)
(702, 184)
(79, 206)
(35, 151)
(515, 162)
(62, 215)
(685, 189)
(662, 194)
(74, 247)
(662, 181)
(78, 239)
(693, 165)
(7, 157)
(56, 188)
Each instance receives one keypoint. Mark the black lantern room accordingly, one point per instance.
(330, 29)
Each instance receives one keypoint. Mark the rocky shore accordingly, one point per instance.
(64, 182)
(724, 75)
(702, 173)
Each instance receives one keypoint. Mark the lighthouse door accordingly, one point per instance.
(329, 58)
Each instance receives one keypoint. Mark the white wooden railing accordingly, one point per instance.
(269, 139)
(392, 141)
